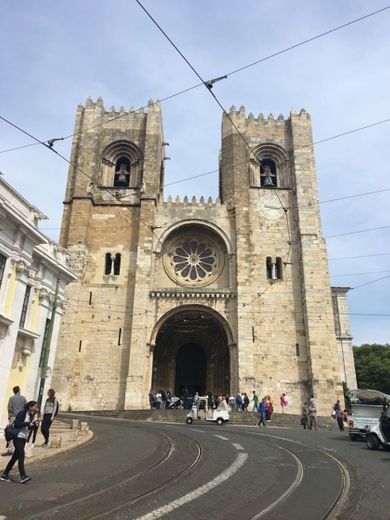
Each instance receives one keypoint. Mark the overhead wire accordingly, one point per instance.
(208, 85)
(234, 71)
(51, 148)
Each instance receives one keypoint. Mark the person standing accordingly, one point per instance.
(339, 415)
(255, 399)
(262, 413)
(23, 421)
(16, 404)
(312, 414)
(238, 402)
(283, 402)
(245, 402)
(34, 427)
(305, 415)
(50, 410)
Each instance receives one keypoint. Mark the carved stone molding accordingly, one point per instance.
(191, 294)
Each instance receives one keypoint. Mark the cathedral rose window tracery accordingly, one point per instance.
(194, 261)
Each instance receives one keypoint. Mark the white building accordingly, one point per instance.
(33, 275)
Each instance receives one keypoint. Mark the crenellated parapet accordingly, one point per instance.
(187, 201)
(241, 117)
(98, 105)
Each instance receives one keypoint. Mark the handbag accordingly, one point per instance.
(10, 433)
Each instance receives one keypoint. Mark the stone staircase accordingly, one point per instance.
(243, 418)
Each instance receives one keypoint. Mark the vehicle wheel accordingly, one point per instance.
(189, 420)
(220, 421)
(353, 436)
(372, 442)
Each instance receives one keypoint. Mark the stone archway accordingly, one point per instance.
(192, 351)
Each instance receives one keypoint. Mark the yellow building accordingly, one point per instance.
(32, 267)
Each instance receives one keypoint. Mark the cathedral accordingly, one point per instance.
(218, 296)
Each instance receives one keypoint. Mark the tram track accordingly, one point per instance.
(268, 512)
(180, 454)
(339, 500)
(68, 509)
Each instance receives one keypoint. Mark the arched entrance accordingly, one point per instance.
(192, 352)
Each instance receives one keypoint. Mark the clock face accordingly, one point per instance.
(269, 206)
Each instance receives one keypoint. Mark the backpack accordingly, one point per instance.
(10, 433)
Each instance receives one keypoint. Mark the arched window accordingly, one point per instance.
(274, 269)
(108, 264)
(268, 176)
(122, 172)
(117, 264)
(269, 267)
(279, 268)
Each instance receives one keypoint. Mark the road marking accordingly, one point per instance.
(327, 449)
(221, 437)
(238, 446)
(219, 479)
(195, 430)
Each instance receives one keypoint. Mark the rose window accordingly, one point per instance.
(196, 261)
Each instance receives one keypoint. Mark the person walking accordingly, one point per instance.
(262, 413)
(312, 414)
(50, 410)
(23, 421)
(16, 404)
(339, 415)
(255, 399)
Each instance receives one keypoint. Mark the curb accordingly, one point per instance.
(51, 452)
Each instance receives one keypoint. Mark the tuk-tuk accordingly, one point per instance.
(201, 412)
(380, 434)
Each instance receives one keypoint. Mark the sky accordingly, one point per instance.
(55, 54)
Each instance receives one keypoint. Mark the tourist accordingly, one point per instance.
(16, 404)
(50, 410)
(268, 407)
(305, 415)
(255, 399)
(222, 404)
(245, 402)
(312, 414)
(22, 423)
(339, 415)
(262, 413)
(34, 427)
(238, 402)
(232, 403)
(283, 402)
(152, 400)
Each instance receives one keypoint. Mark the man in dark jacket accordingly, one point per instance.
(15, 405)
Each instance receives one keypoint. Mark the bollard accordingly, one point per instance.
(55, 441)
(84, 428)
(75, 424)
(73, 436)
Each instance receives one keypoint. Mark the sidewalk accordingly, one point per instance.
(63, 437)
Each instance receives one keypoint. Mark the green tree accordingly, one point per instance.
(372, 363)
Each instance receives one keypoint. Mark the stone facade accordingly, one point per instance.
(222, 296)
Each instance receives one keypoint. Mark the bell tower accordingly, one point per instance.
(114, 185)
(284, 305)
